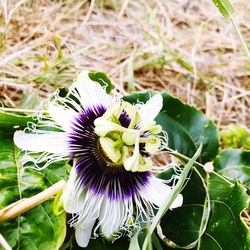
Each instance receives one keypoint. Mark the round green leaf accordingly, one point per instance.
(234, 163)
(11, 122)
(102, 79)
(184, 226)
(225, 228)
(38, 228)
(101, 244)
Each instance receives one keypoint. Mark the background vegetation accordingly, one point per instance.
(184, 47)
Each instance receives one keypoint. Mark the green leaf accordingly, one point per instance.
(38, 228)
(186, 127)
(225, 8)
(102, 79)
(235, 164)
(119, 244)
(101, 244)
(11, 122)
(184, 226)
(225, 228)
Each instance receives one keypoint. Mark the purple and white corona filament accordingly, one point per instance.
(111, 187)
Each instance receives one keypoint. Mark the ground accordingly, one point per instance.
(184, 47)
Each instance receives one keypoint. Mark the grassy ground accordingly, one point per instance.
(184, 47)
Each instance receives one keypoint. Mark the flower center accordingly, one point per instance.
(122, 139)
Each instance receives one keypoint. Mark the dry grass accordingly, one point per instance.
(184, 47)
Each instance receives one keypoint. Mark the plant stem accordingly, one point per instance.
(223, 178)
(20, 110)
(197, 164)
(4, 243)
(27, 204)
(243, 42)
(183, 157)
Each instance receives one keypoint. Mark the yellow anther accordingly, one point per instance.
(128, 138)
(132, 113)
(121, 144)
(103, 127)
(110, 149)
(113, 112)
(152, 144)
(145, 164)
(157, 129)
(132, 163)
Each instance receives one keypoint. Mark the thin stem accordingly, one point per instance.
(223, 178)
(183, 157)
(27, 204)
(4, 243)
(197, 164)
(244, 44)
(21, 110)
(19, 178)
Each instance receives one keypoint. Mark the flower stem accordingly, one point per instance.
(243, 42)
(197, 164)
(172, 196)
(223, 178)
(27, 204)
(183, 157)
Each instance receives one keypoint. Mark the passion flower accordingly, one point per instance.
(111, 188)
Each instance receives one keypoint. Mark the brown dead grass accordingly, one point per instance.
(184, 47)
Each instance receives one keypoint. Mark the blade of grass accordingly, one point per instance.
(243, 42)
(227, 10)
(174, 193)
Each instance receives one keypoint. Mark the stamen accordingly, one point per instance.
(130, 136)
(152, 144)
(103, 127)
(111, 149)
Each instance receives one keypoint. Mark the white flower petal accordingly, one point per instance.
(150, 110)
(53, 142)
(91, 93)
(113, 215)
(64, 117)
(88, 212)
(70, 193)
(156, 192)
(84, 205)
(177, 202)
(83, 234)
